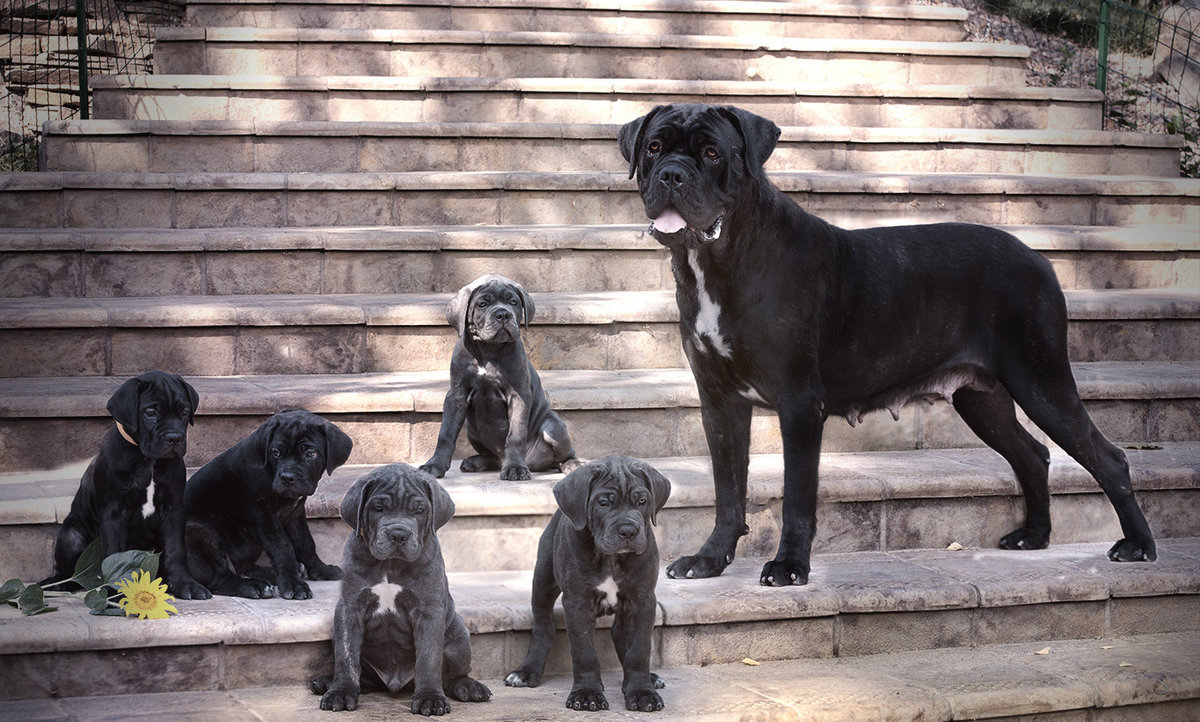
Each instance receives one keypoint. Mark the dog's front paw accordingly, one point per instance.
(325, 572)
(338, 699)
(189, 588)
(430, 704)
(697, 567)
(781, 573)
(587, 700)
(643, 700)
(1128, 550)
(466, 689)
(516, 473)
(571, 464)
(434, 469)
(657, 681)
(523, 678)
(1025, 538)
(294, 589)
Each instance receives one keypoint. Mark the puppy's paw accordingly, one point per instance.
(325, 572)
(294, 589)
(1025, 538)
(479, 462)
(570, 465)
(783, 573)
(436, 470)
(189, 589)
(430, 705)
(523, 678)
(254, 589)
(1128, 550)
(516, 473)
(587, 700)
(643, 700)
(697, 567)
(657, 681)
(466, 689)
(338, 699)
(320, 685)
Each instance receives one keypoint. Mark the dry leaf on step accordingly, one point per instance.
(1043, 651)
(751, 662)
(954, 547)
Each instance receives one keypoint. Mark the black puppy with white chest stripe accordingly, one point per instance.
(495, 390)
(131, 495)
(251, 498)
(395, 622)
(782, 310)
(599, 553)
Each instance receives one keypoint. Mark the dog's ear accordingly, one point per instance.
(659, 486)
(573, 490)
(123, 404)
(759, 136)
(193, 400)
(459, 306)
(337, 447)
(356, 497)
(439, 499)
(263, 436)
(526, 303)
(631, 136)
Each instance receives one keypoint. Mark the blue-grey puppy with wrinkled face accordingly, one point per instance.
(599, 552)
(395, 622)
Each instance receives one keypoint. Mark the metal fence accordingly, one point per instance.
(48, 48)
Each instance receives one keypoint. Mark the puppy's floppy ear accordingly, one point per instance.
(572, 492)
(356, 497)
(192, 397)
(337, 447)
(263, 436)
(439, 499)
(123, 404)
(631, 136)
(526, 303)
(459, 306)
(659, 486)
(759, 136)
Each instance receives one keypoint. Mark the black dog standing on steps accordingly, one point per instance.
(782, 310)
(598, 552)
(131, 496)
(251, 498)
(496, 391)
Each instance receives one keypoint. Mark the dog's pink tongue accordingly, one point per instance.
(669, 222)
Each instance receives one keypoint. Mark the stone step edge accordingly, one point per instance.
(494, 132)
(1151, 674)
(629, 86)
(1139, 239)
(429, 309)
(546, 39)
(424, 391)
(850, 583)
(44, 497)
(827, 182)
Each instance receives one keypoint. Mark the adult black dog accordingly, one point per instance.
(131, 495)
(395, 616)
(251, 498)
(599, 553)
(495, 389)
(780, 309)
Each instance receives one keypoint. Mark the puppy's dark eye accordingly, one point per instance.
(603, 501)
(641, 502)
(377, 506)
(274, 453)
(310, 454)
(711, 153)
(654, 147)
(151, 413)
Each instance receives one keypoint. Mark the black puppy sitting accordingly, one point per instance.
(251, 498)
(131, 495)
(599, 553)
(395, 622)
(495, 389)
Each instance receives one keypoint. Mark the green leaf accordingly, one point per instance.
(120, 565)
(97, 599)
(87, 569)
(150, 564)
(32, 601)
(109, 612)
(11, 590)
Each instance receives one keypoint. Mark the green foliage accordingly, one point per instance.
(94, 572)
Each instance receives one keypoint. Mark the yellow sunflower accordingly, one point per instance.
(146, 598)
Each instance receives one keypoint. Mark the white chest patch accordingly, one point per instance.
(708, 315)
(148, 507)
(608, 590)
(386, 593)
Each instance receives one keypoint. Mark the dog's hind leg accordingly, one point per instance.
(992, 416)
(552, 448)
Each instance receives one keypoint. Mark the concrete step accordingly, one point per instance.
(372, 333)
(216, 200)
(1142, 676)
(855, 606)
(233, 261)
(165, 146)
(869, 501)
(582, 100)
(509, 54)
(640, 412)
(811, 19)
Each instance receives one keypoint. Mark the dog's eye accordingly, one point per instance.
(274, 453)
(653, 147)
(604, 501)
(641, 502)
(151, 413)
(377, 506)
(310, 454)
(711, 153)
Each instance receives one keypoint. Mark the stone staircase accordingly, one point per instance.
(281, 212)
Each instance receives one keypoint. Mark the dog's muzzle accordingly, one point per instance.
(395, 540)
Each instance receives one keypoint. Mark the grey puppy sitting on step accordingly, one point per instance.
(599, 552)
(395, 622)
(495, 390)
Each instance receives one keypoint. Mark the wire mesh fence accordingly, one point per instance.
(48, 48)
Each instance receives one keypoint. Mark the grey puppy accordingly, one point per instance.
(495, 390)
(598, 551)
(395, 621)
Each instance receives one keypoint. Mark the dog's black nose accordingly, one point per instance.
(503, 314)
(399, 537)
(175, 437)
(671, 178)
(627, 530)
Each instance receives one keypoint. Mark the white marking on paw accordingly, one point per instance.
(386, 593)
(148, 507)
(608, 588)
(708, 317)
